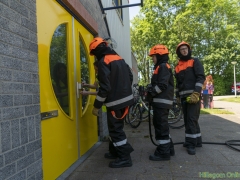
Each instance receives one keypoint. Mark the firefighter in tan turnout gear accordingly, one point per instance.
(190, 77)
(161, 91)
(115, 80)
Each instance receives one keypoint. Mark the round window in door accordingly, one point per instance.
(58, 67)
(84, 71)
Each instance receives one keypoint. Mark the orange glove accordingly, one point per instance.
(193, 98)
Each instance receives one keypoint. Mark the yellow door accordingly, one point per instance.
(68, 127)
(87, 126)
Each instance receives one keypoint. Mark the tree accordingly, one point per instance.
(210, 27)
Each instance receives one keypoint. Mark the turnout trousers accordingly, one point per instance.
(118, 144)
(192, 129)
(162, 136)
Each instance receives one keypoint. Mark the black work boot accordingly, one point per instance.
(191, 150)
(110, 156)
(121, 162)
(163, 157)
(198, 145)
(162, 152)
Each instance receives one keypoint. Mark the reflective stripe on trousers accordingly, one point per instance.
(163, 141)
(120, 143)
(193, 135)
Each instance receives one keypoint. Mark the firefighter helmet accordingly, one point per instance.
(95, 42)
(158, 49)
(183, 43)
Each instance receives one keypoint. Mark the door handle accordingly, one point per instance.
(79, 86)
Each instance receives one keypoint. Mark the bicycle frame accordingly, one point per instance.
(135, 116)
(142, 103)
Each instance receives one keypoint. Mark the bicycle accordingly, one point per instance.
(175, 113)
(137, 112)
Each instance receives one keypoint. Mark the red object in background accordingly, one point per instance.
(237, 87)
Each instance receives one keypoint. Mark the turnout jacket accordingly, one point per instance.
(190, 77)
(163, 85)
(115, 80)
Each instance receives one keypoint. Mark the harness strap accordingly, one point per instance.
(124, 114)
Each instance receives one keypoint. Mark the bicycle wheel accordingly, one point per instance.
(144, 111)
(134, 116)
(126, 120)
(178, 125)
(175, 114)
(172, 118)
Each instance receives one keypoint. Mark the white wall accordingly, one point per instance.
(119, 29)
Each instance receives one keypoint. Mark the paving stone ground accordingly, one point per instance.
(210, 162)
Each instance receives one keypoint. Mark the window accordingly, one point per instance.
(119, 3)
(84, 70)
(58, 66)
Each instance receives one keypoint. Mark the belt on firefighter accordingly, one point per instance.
(124, 114)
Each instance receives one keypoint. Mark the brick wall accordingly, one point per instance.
(20, 136)
(94, 10)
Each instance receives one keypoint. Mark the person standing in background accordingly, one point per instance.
(190, 77)
(162, 92)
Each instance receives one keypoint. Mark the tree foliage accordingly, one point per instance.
(211, 27)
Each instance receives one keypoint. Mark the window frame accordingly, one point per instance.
(119, 10)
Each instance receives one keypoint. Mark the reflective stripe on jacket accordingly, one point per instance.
(162, 82)
(190, 77)
(115, 80)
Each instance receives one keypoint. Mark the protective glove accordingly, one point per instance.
(95, 111)
(151, 90)
(193, 98)
(178, 100)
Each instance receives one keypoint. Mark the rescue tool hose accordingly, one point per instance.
(149, 120)
(229, 143)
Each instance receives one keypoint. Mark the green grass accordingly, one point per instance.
(233, 99)
(215, 111)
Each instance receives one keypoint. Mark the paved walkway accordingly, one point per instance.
(210, 161)
(233, 107)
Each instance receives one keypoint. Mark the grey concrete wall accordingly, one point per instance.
(20, 134)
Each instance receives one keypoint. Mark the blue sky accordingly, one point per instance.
(133, 11)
